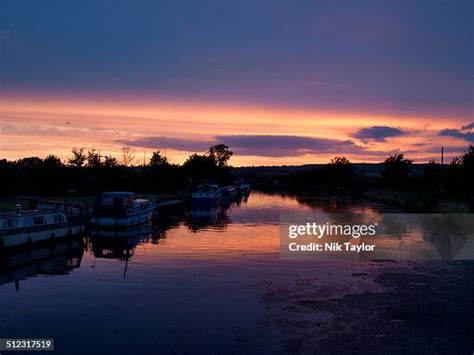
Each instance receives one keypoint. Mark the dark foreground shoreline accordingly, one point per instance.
(387, 307)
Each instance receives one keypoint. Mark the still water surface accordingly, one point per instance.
(188, 285)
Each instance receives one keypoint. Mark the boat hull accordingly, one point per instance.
(205, 199)
(141, 217)
(36, 235)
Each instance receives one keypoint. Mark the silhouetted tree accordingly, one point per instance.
(93, 158)
(7, 173)
(221, 154)
(395, 169)
(339, 171)
(339, 161)
(157, 159)
(78, 157)
(432, 176)
(456, 161)
(29, 163)
(200, 167)
(468, 158)
(110, 162)
(52, 161)
(163, 176)
(128, 156)
(468, 168)
(453, 175)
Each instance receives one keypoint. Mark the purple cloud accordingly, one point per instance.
(279, 146)
(468, 126)
(187, 145)
(260, 145)
(453, 149)
(378, 133)
(466, 132)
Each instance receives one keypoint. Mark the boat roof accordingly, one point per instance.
(64, 203)
(29, 213)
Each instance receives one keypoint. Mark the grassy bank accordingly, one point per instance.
(8, 204)
(410, 201)
(419, 201)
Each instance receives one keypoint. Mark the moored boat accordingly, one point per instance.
(120, 210)
(206, 194)
(72, 210)
(23, 228)
(243, 188)
(228, 193)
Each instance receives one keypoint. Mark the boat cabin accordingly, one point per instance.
(118, 204)
(26, 219)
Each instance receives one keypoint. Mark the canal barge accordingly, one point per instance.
(24, 228)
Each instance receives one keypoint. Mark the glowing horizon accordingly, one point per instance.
(39, 127)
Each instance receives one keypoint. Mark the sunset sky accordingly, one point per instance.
(280, 82)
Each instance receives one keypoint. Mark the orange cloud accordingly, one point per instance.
(41, 126)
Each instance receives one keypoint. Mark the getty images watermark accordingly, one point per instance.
(374, 236)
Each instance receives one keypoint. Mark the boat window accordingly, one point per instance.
(38, 220)
(11, 223)
(58, 218)
(111, 201)
(106, 201)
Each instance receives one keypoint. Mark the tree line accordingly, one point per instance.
(87, 171)
(455, 178)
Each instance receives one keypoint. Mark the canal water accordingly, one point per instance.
(197, 281)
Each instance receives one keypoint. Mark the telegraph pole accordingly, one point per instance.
(442, 169)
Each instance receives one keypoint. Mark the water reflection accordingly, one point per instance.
(60, 259)
(245, 228)
(183, 283)
(215, 217)
(121, 244)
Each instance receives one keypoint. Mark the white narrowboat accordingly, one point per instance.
(23, 228)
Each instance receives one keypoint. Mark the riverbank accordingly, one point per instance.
(419, 201)
(373, 308)
(8, 204)
(408, 201)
